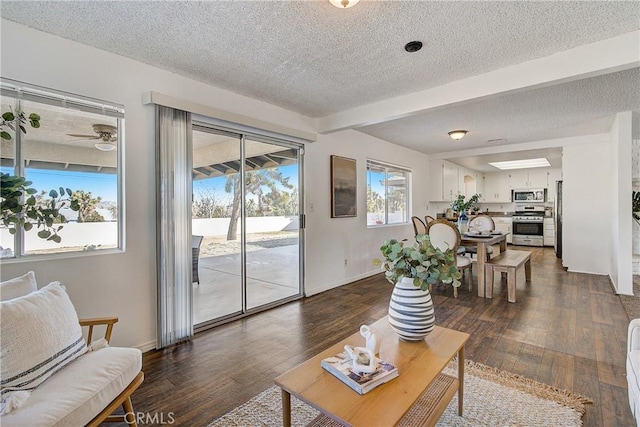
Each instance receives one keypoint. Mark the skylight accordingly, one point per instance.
(522, 164)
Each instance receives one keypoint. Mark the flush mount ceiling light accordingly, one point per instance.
(105, 146)
(522, 164)
(457, 134)
(343, 4)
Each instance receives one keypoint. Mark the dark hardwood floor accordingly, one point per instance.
(566, 329)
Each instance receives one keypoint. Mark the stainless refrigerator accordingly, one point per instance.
(558, 220)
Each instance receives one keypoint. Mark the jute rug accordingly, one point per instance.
(491, 398)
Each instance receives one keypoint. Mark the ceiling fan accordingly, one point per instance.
(105, 136)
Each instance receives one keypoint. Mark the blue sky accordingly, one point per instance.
(99, 184)
(105, 185)
(216, 185)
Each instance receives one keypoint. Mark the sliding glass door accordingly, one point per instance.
(272, 193)
(247, 236)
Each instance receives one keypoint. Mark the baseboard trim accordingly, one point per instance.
(148, 346)
(346, 281)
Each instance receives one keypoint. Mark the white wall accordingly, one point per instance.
(587, 184)
(124, 284)
(620, 222)
(332, 240)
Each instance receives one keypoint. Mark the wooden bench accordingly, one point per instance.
(507, 262)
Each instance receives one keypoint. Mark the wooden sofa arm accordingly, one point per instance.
(98, 321)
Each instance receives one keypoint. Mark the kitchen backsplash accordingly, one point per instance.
(441, 207)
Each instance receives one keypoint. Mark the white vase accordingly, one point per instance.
(411, 312)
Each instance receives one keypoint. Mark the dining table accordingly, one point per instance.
(483, 242)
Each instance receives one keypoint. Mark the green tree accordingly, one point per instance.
(375, 202)
(257, 181)
(84, 202)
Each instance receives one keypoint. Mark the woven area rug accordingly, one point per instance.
(630, 303)
(491, 398)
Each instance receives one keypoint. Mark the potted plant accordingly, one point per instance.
(635, 206)
(413, 270)
(461, 207)
(20, 205)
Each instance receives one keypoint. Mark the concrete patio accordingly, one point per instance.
(272, 274)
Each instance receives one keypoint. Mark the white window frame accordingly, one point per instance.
(387, 167)
(37, 94)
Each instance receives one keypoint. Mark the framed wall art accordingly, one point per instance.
(344, 185)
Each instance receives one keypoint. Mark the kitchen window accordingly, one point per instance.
(387, 194)
(79, 147)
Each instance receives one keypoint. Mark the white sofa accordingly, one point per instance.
(633, 368)
(83, 392)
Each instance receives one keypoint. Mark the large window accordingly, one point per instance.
(387, 194)
(78, 147)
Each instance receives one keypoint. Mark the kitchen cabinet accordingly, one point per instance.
(549, 234)
(469, 182)
(553, 176)
(504, 224)
(497, 188)
(531, 179)
(444, 185)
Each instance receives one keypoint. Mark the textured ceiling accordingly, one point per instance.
(577, 108)
(317, 60)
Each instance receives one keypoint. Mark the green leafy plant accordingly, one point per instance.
(459, 205)
(422, 262)
(20, 205)
(11, 119)
(22, 208)
(636, 206)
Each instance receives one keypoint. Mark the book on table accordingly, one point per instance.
(341, 366)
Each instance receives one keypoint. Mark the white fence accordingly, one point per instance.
(74, 235)
(81, 235)
(220, 226)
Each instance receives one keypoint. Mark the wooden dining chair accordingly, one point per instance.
(481, 223)
(445, 235)
(428, 219)
(418, 226)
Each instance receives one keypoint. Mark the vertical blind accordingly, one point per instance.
(174, 162)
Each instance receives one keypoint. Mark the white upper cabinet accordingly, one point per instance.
(469, 182)
(444, 185)
(531, 179)
(553, 176)
(497, 188)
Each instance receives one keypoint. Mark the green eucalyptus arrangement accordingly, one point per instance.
(635, 205)
(422, 262)
(459, 205)
(20, 205)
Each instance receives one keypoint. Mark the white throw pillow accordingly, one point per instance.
(40, 334)
(18, 287)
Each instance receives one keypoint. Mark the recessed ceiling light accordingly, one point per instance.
(343, 4)
(457, 134)
(522, 164)
(413, 46)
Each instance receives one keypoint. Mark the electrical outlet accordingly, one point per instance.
(346, 261)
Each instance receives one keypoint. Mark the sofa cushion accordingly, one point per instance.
(77, 393)
(18, 287)
(633, 382)
(40, 335)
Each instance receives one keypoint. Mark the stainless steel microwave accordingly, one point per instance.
(530, 195)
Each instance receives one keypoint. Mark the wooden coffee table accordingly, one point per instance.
(420, 365)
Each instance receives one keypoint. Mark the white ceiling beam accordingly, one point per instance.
(525, 146)
(599, 58)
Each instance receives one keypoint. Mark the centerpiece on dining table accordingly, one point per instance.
(462, 208)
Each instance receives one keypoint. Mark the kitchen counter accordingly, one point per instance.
(499, 213)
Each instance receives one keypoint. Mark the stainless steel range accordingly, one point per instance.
(528, 226)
